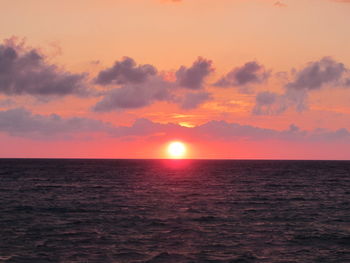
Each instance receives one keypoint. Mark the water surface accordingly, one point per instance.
(174, 211)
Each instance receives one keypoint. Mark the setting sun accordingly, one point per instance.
(176, 150)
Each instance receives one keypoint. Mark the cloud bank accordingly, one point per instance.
(21, 122)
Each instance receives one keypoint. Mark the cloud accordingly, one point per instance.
(318, 74)
(138, 86)
(193, 100)
(347, 82)
(250, 73)
(263, 103)
(271, 103)
(133, 96)
(23, 123)
(225, 131)
(143, 128)
(26, 72)
(194, 77)
(141, 85)
(4, 103)
(124, 72)
(314, 76)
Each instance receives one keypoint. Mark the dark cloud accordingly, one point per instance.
(315, 76)
(249, 73)
(266, 98)
(26, 72)
(263, 103)
(135, 95)
(125, 72)
(140, 86)
(194, 77)
(193, 100)
(347, 82)
(318, 74)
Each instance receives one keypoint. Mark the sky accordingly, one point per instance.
(240, 79)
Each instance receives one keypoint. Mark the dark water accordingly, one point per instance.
(164, 211)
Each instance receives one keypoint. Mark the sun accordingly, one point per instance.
(177, 150)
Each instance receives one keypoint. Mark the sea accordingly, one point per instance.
(70, 210)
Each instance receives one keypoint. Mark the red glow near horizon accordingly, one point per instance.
(176, 163)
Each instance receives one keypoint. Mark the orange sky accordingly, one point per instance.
(288, 61)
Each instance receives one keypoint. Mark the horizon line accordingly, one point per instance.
(166, 159)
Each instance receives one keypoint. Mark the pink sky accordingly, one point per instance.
(123, 78)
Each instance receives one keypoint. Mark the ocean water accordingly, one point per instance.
(174, 211)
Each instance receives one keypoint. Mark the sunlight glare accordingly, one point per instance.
(176, 150)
